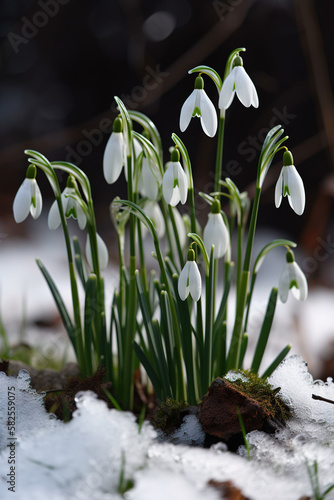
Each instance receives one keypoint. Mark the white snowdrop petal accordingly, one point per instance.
(148, 185)
(102, 251)
(216, 233)
(22, 201)
(181, 230)
(208, 115)
(153, 211)
(296, 190)
(113, 157)
(227, 92)
(243, 86)
(255, 97)
(301, 282)
(167, 183)
(82, 219)
(279, 189)
(54, 217)
(195, 281)
(182, 287)
(187, 110)
(284, 284)
(36, 210)
(183, 184)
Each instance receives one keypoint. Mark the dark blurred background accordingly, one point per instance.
(62, 61)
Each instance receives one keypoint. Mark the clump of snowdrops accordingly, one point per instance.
(172, 323)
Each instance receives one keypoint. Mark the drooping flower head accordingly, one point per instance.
(102, 251)
(175, 182)
(28, 197)
(190, 279)
(71, 207)
(216, 232)
(292, 278)
(148, 185)
(238, 82)
(198, 104)
(113, 158)
(290, 184)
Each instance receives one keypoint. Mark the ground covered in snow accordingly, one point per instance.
(101, 452)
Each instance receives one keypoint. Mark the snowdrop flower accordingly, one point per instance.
(198, 104)
(240, 83)
(216, 232)
(290, 184)
(101, 250)
(175, 182)
(153, 211)
(292, 278)
(148, 185)
(28, 197)
(113, 158)
(71, 207)
(190, 279)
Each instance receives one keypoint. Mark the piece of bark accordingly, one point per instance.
(219, 411)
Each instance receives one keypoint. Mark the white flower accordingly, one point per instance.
(216, 233)
(175, 184)
(292, 278)
(199, 104)
(152, 210)
(239, 82)
(190, 279)
(290, 184)
(71, 208)
(28, 198)
(148, 184)
(113, 158)
(101, 250)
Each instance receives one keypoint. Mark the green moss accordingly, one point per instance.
(167, 418)
(259, 389)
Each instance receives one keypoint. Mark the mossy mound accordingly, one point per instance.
(259, 389)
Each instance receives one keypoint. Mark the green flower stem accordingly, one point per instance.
(219, 154)
(164, 209)
(235, 346)
(252, 227)
(206, 369)
(143, 273)
(239, 256)
(176, 236)
(192, 209)
(74, 287)
(234, 352)
(128, 383)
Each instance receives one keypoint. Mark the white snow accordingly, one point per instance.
(84, 459)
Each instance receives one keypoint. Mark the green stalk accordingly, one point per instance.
(206, 369)
(176, 236)
(74, 288)
(220, 147)
(128, 382)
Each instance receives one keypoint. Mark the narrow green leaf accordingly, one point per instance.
(265, 331)
(150, 371)
(90, 307)
(79, 261)
(59, 302)
(276, 362)
(243, 349)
